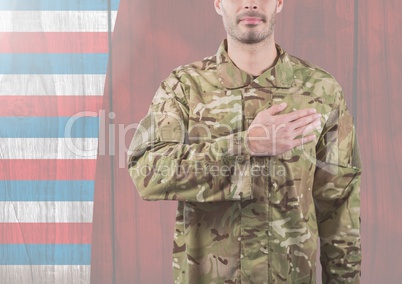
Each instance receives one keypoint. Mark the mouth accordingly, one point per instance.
(251, 20)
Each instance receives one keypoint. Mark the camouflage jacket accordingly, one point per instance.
(242, 218)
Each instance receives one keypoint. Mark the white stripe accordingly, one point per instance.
(49, 85)
(46, 212)
(56, 21)
(48, 148)
(45, 274)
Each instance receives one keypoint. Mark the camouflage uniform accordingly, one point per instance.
(242, 218)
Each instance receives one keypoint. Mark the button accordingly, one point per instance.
(237, 140)
(240, 159)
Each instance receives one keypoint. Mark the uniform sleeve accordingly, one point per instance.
(163, 166)
(337, 197)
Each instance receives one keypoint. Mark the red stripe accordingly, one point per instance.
(45, 233)
(48, 105)
(47, 169)
(53, 42)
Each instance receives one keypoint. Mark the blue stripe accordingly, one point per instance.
(58, 5)
(48, 127)
(49, 190)
(50, 63)
(49, 254)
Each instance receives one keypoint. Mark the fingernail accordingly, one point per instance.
(283, 104)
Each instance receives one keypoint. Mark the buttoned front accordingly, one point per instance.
(241, 218)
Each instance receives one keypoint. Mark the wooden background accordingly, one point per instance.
(359, 42)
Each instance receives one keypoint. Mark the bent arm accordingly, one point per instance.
(337, 198)
(164, 167)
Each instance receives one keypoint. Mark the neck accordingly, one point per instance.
(254, 59)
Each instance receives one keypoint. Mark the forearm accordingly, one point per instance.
(202, 172)
(337, 197)
(338, 214)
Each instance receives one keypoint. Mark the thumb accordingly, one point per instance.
(276, 108)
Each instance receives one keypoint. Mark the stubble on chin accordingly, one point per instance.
(253, 36)
(232, 27)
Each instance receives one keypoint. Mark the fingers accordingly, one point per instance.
(276, 109)
(297, 114)
(294, 115)
(305, 120)
(303, 140)
(290, 129)
(307, 128)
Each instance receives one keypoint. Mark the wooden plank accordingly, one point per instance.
(45, 233)
(152, 264)
(54, 169)
(49, 5)
(55, 21)
(102, 241)
(46, 229)
(48, 148)
(46, 212)
(81, 42)
(321, 32)
(44, 274)
(379, 118)
(46, 190)
(50, 105)
(52, 85)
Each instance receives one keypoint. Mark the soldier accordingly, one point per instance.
(259, 149)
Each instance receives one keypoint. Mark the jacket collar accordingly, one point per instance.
(231, 77)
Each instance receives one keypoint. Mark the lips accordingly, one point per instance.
(251, 20)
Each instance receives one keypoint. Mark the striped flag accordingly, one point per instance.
(53, 64)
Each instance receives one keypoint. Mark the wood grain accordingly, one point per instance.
(379, 125)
